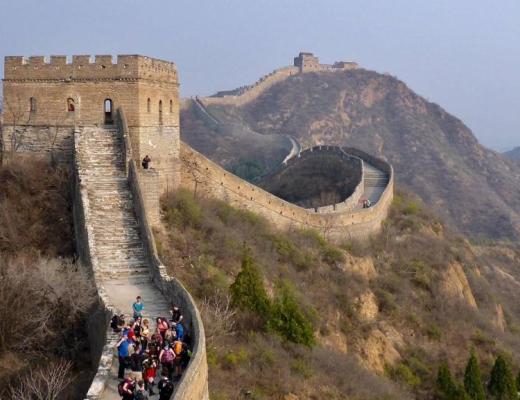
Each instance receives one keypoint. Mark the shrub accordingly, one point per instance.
(433, 331)
(283, 245)
(211, 356)
(288, 320)
(332, 255)
(314, 236)
(182, 210)
(303, 260)
(248, 291)
(233, 358)
(402, 373)
(43, 301)
(411, 209)
(303, 368)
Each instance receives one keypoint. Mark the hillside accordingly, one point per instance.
(513, 154)
(434, 154)
(45, 298)
(370, 320)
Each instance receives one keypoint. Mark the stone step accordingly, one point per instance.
(111, 256)
(104, 264)
(122, 272)
(121, 264)
(125, 250)
(126, 230)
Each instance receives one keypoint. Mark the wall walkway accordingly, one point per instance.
(339, 224)
(114, 238)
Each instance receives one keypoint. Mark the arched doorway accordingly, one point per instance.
(108, 112)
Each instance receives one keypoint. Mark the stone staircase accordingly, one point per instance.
(117, 251)
(118, 248)
(375, 182)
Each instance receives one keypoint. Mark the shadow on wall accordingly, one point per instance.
(316, 178)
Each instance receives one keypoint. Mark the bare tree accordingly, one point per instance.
(19, 114)
(45, 383)
(40, 299)
(193, 167)
(219, 316)
(53, 132)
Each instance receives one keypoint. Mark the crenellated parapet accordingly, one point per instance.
(303, 63)
(86, 67)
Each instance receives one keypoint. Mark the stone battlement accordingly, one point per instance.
(86, 67)
(304, 63)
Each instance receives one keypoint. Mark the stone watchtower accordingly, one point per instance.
(45, 99)
(306, 62)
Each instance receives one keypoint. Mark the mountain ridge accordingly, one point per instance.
(476, 190)
(513, 154)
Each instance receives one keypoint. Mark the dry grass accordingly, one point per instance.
(45, 297)
(203, 247)
(35, 209)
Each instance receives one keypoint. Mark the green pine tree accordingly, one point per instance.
(473, 378)
(502, 384)
(248, 291)
(447, 388)
(288, 320)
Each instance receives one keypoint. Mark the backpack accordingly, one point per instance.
(177, 347)
(115, 321)
(137, 330)
(167, 356)
(120, 389)
(167, 388)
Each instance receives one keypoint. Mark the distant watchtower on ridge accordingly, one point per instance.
(45, 99)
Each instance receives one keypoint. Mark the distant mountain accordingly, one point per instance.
(476, 190)
(513, 154)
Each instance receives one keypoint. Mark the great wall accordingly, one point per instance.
(101, 118)
(305, 62)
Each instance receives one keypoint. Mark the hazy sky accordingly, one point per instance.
(462, 54)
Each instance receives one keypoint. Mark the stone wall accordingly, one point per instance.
(250, 93)
(305, 62)
(40, 141)
(37, 95)
(320, 161)
(193, 384)
(340, 224)
(101, 338)
(145, 192)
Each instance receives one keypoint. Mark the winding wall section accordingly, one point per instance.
(339, 224)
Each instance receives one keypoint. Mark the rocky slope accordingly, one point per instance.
(476, 190)
(513, 154)
(385, 312)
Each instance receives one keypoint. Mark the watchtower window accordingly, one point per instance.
(70, 105)
(148, 105)
(171, 106)
(32, 104)
(160, 112)
(108, 112)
